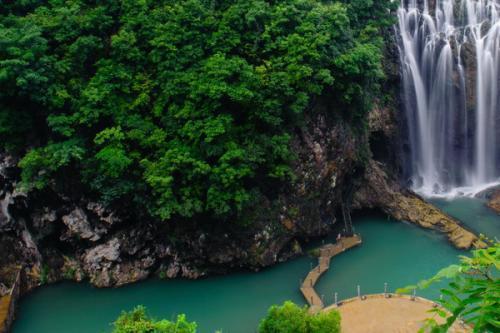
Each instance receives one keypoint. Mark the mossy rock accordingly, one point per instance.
(314, 252)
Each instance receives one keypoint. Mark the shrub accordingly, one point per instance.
(290, 318)
(137, 321)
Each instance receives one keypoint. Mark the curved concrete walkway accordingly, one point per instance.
(378, 313)
(326, 252)
(394, 314)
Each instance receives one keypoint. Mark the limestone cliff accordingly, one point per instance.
(59, 237)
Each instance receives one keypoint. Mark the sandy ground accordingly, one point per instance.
(378, 314)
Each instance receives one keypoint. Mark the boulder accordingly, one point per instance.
(494, 201)
(79, 225)
(98, 261)
(3, 290)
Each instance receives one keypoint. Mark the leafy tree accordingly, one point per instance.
(372, 13)
(137, 321)
(473, 293)
(183, 108)
(290, 318)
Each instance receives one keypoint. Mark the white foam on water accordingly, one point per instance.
(460, 191)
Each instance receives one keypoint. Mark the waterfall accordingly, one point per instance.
(450, 67)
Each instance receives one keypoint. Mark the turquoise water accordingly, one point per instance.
(393, 252)
(474, 214)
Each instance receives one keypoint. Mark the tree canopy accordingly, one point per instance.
(182, 107)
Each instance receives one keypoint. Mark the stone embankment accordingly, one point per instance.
(8, 304)
(380, 191)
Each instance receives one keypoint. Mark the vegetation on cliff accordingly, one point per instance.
(182, 108)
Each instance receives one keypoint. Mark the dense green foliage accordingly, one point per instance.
(181, 107)
(137, 321)
(287, 318)
(473, 292)
(290, 318)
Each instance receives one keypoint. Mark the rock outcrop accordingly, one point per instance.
(494, 201)
(380, 191)
(78, 225)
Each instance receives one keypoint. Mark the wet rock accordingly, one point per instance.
(494, 201)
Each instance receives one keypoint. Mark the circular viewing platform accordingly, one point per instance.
(395, 313)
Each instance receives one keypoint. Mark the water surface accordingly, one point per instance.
(392, 252)
(473, 213)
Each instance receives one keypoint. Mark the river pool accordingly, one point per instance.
(392, 252)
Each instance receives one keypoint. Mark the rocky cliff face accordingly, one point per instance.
(55, 237)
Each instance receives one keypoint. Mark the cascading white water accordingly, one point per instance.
(450, 57)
